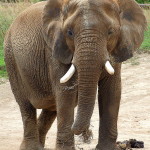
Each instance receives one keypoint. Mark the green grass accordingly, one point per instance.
(145, 47)
(3, 73)
(1, 59)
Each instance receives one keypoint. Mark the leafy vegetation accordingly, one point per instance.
(143, 1)
(146, 44)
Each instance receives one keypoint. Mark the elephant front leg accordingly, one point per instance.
(45, 121)
(65, 117)
(109, 94)
(31, 136)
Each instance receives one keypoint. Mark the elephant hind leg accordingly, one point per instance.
(45, 121)
(31, 135)
(28, 112)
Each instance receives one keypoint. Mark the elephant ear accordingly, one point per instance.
(133, 24)
(52, 31)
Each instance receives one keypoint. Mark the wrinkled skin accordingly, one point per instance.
(39, 48)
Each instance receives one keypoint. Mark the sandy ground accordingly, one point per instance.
(134, 116)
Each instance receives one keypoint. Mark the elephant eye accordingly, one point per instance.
(70, 33)
(110, 31)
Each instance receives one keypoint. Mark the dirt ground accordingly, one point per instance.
(134, 115)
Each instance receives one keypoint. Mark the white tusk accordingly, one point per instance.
(68, 75)
(109, 68)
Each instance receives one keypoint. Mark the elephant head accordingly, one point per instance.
(87, 33)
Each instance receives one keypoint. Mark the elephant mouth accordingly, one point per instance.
(72, 70)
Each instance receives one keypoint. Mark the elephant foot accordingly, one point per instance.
(42, 140)
(116, 148)
(107, 147)
(31, 145)
(65, 142)
(66, 148)
(86, 136)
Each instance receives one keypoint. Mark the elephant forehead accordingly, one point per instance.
(86, 10)
(116, 1)
(70, 5)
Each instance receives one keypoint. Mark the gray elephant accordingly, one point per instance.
(57, 52)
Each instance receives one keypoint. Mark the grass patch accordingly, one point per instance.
(145, 47)
(3, 73)
(2, 63)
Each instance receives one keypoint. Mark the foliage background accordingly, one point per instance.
(143, 1)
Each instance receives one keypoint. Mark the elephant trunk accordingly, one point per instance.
(87, 87)
(89, 60)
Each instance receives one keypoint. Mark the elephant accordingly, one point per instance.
(57, 53)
